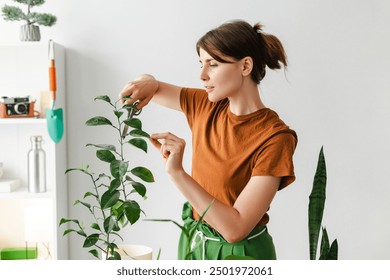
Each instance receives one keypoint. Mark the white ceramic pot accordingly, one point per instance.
(29, 32)
(133, 252)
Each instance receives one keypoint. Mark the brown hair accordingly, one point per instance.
(238, 39)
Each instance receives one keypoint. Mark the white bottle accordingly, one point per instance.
(36, 166)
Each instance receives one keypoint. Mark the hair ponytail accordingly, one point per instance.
(273, 50)
(238, 39)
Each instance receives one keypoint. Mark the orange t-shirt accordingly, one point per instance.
(227, 150)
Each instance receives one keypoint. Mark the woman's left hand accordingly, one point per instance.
(171, 148)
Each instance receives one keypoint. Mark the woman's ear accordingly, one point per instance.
(247, 65)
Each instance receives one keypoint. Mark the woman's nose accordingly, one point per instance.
(203, 74)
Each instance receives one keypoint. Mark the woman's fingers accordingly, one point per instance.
(167, 143)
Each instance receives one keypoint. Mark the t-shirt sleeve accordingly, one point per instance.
(193, 102)
(276, 158)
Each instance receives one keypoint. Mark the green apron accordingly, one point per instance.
(208, 244)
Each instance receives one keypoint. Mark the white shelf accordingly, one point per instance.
(24, 71)
(22, 121)
(23, 193)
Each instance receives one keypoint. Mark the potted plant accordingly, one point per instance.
(316, 210)
(111, 197)
(30, 31)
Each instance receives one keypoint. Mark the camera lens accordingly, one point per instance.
(21, 108)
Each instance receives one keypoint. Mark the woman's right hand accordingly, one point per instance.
(141, 89)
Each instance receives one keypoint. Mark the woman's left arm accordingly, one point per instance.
(233, 223)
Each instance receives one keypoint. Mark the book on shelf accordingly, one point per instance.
(9, 185)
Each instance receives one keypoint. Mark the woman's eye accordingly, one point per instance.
(213, 65)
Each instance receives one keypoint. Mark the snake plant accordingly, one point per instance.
(316, 210)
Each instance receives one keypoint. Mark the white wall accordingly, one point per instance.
(335, 93)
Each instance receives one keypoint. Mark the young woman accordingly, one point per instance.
(242, 150)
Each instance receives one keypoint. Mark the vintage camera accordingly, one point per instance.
(11, 107)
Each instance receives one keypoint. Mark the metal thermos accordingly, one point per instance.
(36, 166)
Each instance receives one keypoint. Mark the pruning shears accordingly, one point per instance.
(131, 112)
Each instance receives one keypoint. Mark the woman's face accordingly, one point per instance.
(221, 80)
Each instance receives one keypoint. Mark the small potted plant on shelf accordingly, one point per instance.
(30, 31)
(111, 198)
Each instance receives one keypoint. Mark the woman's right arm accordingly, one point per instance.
(146, 88)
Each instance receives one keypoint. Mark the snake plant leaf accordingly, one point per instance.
(333, 251)
(139, 143)
(99, 120)
(134, 123)
(91, 240)
(118, 168)
(317, 204)
(109, 199)
(324, 249)
(132, 211)
(143, 173)
(105, 155)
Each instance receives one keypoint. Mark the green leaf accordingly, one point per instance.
(91, 240)
(134, 122)
(11, 13)
(83, 203)
(236, 257)
(95, 253)
(109, 199)
(183, 229)
(132, 211)
(109, 224)
(105, 155)
(139, 143)
(89, 194)
(139, 188)
(103, 146)
(143, 173)
(68, 231)
(139, 133)
(324, 248)
(118, 168)
(78, 169)
(333, 251)
(104, 98)
(95, 226)
(317, 204)
(99, 120)
(118, 114)
(114, 184)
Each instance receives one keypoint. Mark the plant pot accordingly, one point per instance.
(133, 252)
(29, 32)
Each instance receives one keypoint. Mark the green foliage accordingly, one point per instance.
(188, 232)
(316, 210)
(111, 199)
(12, 13)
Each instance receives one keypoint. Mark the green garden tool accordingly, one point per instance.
(54, 117)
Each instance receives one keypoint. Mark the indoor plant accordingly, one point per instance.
(316, 210)
(30, 31)
(110, 197)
